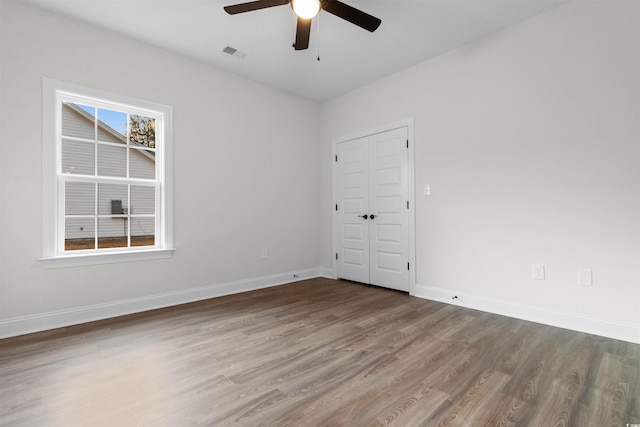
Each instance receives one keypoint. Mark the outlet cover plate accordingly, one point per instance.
(585, 277)
(537, 271)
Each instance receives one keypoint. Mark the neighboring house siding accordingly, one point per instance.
(73, 124)
(79, 158)
(139, 165)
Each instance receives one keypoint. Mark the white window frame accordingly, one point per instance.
(53, 254)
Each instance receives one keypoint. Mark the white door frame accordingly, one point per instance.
(409, 124)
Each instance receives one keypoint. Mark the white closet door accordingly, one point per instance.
(372, 211)
(353, 204)
(389, 226)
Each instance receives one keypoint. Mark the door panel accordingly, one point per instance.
(389, 176)
(354, 232)
(391, 233)
(372, 179)
(352, 199)
(388, 205)
(388, 193)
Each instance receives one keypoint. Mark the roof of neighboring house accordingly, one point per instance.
(105, 127)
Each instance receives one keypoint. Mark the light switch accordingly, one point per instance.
(427, 190)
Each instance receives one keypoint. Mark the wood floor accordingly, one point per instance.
(318, 353)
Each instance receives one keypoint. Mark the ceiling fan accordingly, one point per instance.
(306, 10)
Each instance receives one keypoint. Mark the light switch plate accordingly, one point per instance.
(427, 190)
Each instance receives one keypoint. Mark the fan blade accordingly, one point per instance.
(254, 5)
(351, 14)
(303, 31)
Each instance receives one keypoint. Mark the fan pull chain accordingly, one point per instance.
(318, 30)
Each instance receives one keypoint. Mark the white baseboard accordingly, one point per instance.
(58, 319)
(573, 321)
(327, 273)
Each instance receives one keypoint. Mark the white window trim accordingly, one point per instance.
(51, 258)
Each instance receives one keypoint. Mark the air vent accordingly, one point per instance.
(229, 50)
(234, 52)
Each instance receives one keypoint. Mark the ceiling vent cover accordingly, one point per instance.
(229, 50)
(234, 52)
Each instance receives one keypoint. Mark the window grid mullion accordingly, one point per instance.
(110, 180)
(95, 139)
(128, 148)
(128, 137)
(128, 218)
(95, 215)
(61, 228)
(157, 216)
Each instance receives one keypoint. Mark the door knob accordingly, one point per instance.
(365, 216)
(371, 216)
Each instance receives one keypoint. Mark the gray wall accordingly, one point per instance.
(530, 140)
(246, 169)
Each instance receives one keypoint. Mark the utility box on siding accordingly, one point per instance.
(116, 207)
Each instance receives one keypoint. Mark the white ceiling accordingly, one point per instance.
(411, 32)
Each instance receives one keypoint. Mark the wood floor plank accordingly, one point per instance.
(477, 399)
(317, 353)
(504, 411)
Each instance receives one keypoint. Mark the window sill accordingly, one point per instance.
(77, 260)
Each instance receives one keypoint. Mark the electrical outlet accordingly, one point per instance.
(537, 271)
(585, 277)
(264, 254)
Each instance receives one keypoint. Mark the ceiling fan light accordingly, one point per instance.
(306, 9)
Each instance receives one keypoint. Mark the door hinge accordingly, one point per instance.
(336, 255)
(407, 143)
(407, 204)
(336, 157)
(408, 266)
(336, 206)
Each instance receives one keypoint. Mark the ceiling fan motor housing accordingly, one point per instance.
(303, 26)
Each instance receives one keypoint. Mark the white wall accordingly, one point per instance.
(530, 140)
(246, 170)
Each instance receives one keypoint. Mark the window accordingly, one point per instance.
(107, 186)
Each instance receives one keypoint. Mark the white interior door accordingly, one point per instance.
(372, 209)
(352, 206)
(389, 210)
